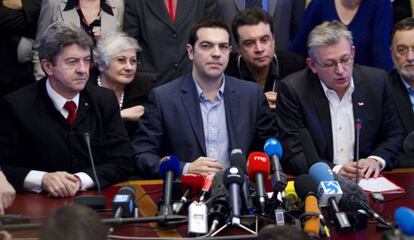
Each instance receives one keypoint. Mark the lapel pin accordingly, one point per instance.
(360, 104)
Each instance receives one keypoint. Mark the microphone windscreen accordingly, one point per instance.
(353, 195)
(170, 163)
(233, 175)
(321, 171)
(237, 159)
(408, 144)
(258, 162)
(127, 190)
(272, 147)
(405, 219)
(194, 181)
(305, 185)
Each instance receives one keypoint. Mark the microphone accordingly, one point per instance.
(237, 159)
(354, 199)
(291, 198)
(233, 179)
(191, 185)
(123, 203)
(306, 187)
(219, 207)
(98, 201)
(358, 127)
(208, 181)
(329, 193)
(273, 149)
(169, 169)
(258, 169)
(405, 219)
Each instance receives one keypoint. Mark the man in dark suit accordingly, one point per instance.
(161, 28)
(402, 82)
(44, 126)
(327, 100)
(202, 116)
(286, 16)
(257, 60)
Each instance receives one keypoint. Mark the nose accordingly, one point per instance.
(410, 55)
(83, 67)
(339, 68)
(258, 47)
(216, 53)
(128, 65)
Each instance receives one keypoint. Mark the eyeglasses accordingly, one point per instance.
(332, 65)
(403, 50)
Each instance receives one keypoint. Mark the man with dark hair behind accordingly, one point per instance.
(43, 127)
(256, 59)
(402, 82)
(200, 117)
(73, 222)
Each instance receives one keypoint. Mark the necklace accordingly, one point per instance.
(121, 99)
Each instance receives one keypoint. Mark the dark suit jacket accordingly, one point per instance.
(286, 15)
(406, 114)
(302, 104)
(164, 43)
(172, 123)
(14, 25)
(35, 136)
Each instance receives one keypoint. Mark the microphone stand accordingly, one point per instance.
(358, 127)
(235, 221)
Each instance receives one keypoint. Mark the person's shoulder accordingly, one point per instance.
(238, 83)
(24, 94)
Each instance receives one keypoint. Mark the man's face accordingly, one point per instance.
(333, 65)
(256, 45)
(403, 53)
(210, 54)
(70, 72)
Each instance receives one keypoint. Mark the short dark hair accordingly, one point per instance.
(60, 35)
(250, 16)
(403, 25)
(206, 22)
(73, 222)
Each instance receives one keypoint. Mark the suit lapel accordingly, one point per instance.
(84, 105)
(239, 4)
(109, 22)
(321, 104)
(184, 8)
(232, 114)
(70, 16)
(403, 103)
(159, 9)
(191, 104)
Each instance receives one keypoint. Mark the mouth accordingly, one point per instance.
(262, 59)
(214, 64)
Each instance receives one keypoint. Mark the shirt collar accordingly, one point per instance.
(348, 91)
(57, 99)
(409, 88)
(200, 92)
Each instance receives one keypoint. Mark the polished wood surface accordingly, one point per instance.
(39, 206)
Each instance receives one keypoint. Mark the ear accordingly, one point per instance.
(47, 67)
(353, 51)
(190, 51)
(311, 64)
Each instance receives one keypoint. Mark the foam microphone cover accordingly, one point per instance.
(305, 185)
(193, 181)
(290, 192)
(272, 147)
(237, 159)
(258, 162)
(233, 175)
(405, 219)
(321, 171)
(352, 196)
(170, 163)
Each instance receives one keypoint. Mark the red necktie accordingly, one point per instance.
(171, 10)
(71, 107)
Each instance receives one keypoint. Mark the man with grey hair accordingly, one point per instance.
(321, 110)
(44, 127)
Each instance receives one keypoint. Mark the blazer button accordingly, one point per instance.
(176, 65)
(174, 36)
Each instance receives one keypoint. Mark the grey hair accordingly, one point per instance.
(326, 34)
(60, 35)
(111, 44)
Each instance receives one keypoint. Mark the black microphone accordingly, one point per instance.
(169, 169)
(358, 126)
(233, 179)
(123, 203)
(96, 201)
(219, 205)
(354, 199)
(237, 159)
